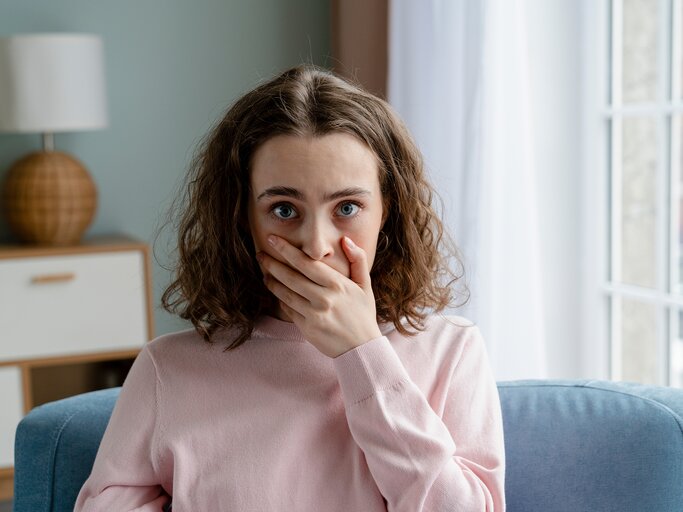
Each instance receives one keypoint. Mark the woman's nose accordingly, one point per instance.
(318, 241)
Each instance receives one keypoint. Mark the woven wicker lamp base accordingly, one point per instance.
(48, 198)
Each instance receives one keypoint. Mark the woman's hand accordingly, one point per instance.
(334, 313)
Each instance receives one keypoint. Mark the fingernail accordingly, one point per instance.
(271, 240)
(349, 242)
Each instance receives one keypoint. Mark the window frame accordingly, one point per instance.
(601, 171)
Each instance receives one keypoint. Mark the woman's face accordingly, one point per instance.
(301, 191)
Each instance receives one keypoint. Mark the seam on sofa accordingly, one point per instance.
(51, 466)
(676, 416)
(587, 385)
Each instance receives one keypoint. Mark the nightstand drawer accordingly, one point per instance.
(71, 304)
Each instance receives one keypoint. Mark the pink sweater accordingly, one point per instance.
(398, 424)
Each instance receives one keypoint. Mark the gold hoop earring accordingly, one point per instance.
(383, 242)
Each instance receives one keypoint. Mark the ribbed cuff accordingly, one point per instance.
(367, 369)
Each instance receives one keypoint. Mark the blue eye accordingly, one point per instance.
(285, 211)
(349, 209)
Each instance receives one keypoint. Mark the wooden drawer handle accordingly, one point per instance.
(53, 278)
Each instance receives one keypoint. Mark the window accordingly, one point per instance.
(642, 281)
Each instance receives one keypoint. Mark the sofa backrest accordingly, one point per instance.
(592, 446)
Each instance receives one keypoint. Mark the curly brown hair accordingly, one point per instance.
(217, 281)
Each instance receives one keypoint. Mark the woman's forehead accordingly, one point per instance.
(319, 165)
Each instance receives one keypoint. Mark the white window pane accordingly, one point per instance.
(677, 354)
(638, 201)
(639, 50)
(639, 350)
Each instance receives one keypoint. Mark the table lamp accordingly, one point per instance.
(50, 83)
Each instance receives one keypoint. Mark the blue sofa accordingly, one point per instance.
(571, 445)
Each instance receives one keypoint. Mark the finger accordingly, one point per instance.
(289, 277)
(287, 296)
(360, 271)
(316, 271)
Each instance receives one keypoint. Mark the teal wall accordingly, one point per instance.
(172, 67)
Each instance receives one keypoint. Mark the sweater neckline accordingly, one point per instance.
(267, 326)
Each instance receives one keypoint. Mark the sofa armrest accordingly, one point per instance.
(55, 447)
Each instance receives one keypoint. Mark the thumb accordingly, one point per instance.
(360, 274)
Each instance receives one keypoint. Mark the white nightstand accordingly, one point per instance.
(72, 320)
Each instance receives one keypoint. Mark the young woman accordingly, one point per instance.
(315, 378)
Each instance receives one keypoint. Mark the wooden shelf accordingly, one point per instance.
(51, 383)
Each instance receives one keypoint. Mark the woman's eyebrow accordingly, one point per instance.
(297, 194)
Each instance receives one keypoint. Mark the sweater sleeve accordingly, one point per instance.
(422, 462)
(124, 477)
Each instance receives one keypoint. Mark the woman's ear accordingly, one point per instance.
(385, 215)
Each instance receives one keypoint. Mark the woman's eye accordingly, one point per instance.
(284, 211)
(286, 208)
(347, 208)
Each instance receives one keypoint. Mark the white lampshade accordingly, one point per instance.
(52, 83)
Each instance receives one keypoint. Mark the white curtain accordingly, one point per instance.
(458, 76)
